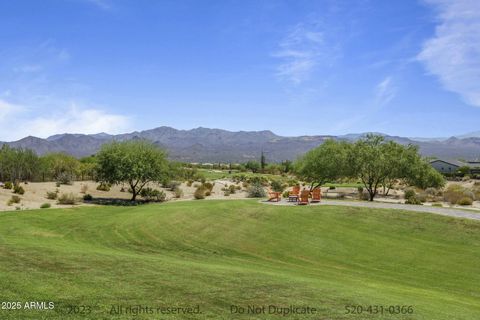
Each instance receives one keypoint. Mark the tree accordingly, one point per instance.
(254, 166)
(328, 162)
(60, 166)
(263, 162)
(370, 160)
(133, 162)
(423, 175)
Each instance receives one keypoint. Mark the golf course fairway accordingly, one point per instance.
(220, 258)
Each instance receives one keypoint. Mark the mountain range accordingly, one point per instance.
(217, 145)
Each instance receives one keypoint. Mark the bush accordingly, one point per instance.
(360, 189)
(178, 192)
(277, 186)
(103, 186)
(67, 198)
(331, 188)
(150, 194)
(45, 205)
(413, 200)
(14, 199)
(199, 193)
(431, 192)
(455, 193)
(286, 193)
(122, 189)
(65, 178)
(208, 186)
(189, 183)
(465, 201)
(226, 193)
(52, 195)
(410, 193)
(18, 189)
(172, 185)
(437, 205)
(256, 191)
(87, 197)
(232, 189)
(8, 185)
(208, 193)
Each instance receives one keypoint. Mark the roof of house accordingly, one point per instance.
(458, 163)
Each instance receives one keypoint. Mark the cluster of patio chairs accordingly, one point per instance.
(301, 197)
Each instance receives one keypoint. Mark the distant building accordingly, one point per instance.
(451, 166)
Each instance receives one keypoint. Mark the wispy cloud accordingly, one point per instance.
(385, 91)
(302, 50)
(453, 54)
(73, 119)
(102, 4)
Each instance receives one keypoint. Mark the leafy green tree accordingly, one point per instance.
(252, 165)
(328, 162)
(133, 162)
(60, 166)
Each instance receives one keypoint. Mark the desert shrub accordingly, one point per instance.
(208, 193)
(465, 201)
(431, 191)
(413, 200)
(52, 195)
(18, 189)
(172, 185)
(83, 188)
(285, 194)
(67, 198)
(87, 197)
(189, 183)
(45, 205)
(364, 196)
(409, 193)
(104, 186)
(208, 186)
(199, 193)
(360, 189)
(238, 187)
(8, 185)
(150, 194)
(277, 186)
(64, 178)
(437, 205)
(226, 193)
(256, 191)
(232, 189)
(178, 192)
(14, 199)
(331, 188)
(455, 193)
(245, 184)
(122, 189)
(58, 184)
(203, 180)
(422, 197)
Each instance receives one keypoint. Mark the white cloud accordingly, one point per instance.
(301, 50)
(385, 91)
(453, 54)
(71, 120)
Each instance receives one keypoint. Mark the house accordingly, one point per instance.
(451, 166)
(446, 166)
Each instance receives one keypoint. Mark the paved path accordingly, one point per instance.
(457, 213)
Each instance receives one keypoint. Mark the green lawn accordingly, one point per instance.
(221, 253)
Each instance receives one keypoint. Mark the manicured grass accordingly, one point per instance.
(219, 253)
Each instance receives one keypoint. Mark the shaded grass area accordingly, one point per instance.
(221, 253)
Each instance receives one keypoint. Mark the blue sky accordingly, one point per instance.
(409, 68)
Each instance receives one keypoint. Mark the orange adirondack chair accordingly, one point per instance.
(303, 197)
(316, 195)
(274, 196)
(294, 194)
